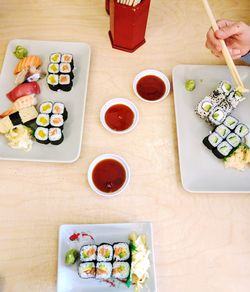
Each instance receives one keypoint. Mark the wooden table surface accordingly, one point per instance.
(202, 241)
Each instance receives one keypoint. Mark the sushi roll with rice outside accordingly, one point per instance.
(226, 106)
(55, 136)
(212, 141)
(204, 107)
(104, 253)
(103, 270)
(217, 116)
(88, 253)
(42, 135)
(121, 251)
(121, 270)
(87, 270)
(224, 88)
(60, 109)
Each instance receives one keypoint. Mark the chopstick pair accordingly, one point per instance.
(129, 2)
(230, 63)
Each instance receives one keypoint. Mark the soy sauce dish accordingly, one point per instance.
(119, 116)
(151, 86)
(108, 175)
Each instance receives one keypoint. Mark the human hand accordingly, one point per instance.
(236, 36)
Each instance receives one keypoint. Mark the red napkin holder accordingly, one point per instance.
(107, 5)
(128, 25)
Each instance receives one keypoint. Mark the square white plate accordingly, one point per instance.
(201, 171)
(74, 100)
(67, 277)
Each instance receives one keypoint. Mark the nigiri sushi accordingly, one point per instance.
(28, 62)
(20, 103)
(23, 89)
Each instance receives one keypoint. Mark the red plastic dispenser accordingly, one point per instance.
(128, 25)
(107, 5)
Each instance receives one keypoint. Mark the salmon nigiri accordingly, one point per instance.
(28, 62)
(20, 103)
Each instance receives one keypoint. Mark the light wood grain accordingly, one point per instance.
(201, 241)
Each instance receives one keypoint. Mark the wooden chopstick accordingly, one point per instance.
(230, 63)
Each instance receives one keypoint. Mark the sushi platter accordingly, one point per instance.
(43, 87)
(100, 257)
(212, 125)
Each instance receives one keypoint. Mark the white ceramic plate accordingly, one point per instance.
(74, 100)
(67, 277)
(201, 171)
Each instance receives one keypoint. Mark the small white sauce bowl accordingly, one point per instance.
(104, 157)
(156, 73)
(116, 101)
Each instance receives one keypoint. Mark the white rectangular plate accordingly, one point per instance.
(67, 277)
(74, 100)
(201, 171)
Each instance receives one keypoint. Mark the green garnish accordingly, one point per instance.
(207, 107)
(71, 256)
(190, 85)
(216, 116)
(227, 86)
(20, 52)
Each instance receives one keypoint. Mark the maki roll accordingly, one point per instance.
(234, 140)
(231, 122)
(57, 121)
(53, 68)
(223, 150)
(88, 253)
(65, 68)
(224, 87)
(104, 253)
(55, 136)
(87, 270)
(226, 106)
(42, 135)
(59, 108)
(212, 141)
(65, 82)
(68, 58)
(121, 251)
(217, 116)
(53, 81)
(55, 58)
(204, 107)
(43, 120)
(241, 130)
(103, 270)
(46, 107)
(217, 99)
(222, 130)
(121, 270)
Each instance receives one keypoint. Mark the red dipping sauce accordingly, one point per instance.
(119, 117)
(151, 87)
(109, 175)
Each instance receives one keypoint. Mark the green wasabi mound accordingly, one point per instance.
(190, 85)
(71, 257)
(20, 52)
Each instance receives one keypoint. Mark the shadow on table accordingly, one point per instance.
(2, 282)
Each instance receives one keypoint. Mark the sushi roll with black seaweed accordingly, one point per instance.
(241, 130)
(87, 270)
(234, 140)
(60, 109)
(121, 251)
(231, 122)
(222, 130)
(88, 253)
(55, 136)
(43, 120)
(103, 270)
(104, 252)
(42, 135)
(65, 82)
(121, 270)
(57, 121)
(217, 116)
(65, 68)
(53, 81)
(223, 150)
(212, 140)
(68, 58)
(204, 107)
(46, 107)
(53, 68)
(55, 58)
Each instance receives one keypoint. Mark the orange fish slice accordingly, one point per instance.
(28, 62)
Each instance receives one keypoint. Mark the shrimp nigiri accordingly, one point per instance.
(20, 103)
(28, 62)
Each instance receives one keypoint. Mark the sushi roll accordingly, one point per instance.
(241, 130)
(224, 87)
(65, 68)
(55, 136)
(53, 81)
(204, 107)
(59, 108)
(57, 121)
(121, 251)
(103, 270)
(53, 68)
(46, 107)
(43, 120)
(42, 135)
(234, 140)
(68, 58)
(104, 253)
(226, 106)
(65, 82)
(222, 130)
(212, 141)
(231, 122)
(55, 58)
(88, 253)
(223, 150)
(121, 270)
(217, 116)
(87, 270)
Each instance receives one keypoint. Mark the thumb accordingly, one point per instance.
(228, 31)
